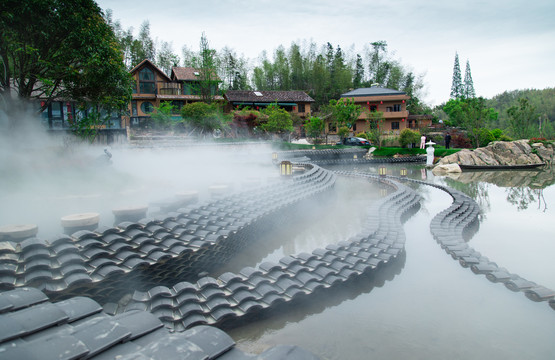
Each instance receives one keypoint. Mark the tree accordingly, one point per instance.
(314, 127)
(456, 84)
(468, 85)
(521, 117)
(343, 112)
(161, 118)
(204, 118)
(62, 49)
(378, 65)
(207, 64)
(358, 77)
(166, 59)
(143, 47)
(276, 120)
(375, 121)
(471, 114)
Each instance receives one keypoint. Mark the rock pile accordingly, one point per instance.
(518, 152)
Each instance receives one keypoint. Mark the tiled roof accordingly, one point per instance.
(372, 91)
(267, 96)
(187, 74)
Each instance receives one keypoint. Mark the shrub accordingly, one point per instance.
(460, 140)
(408, 136)
(343, 132)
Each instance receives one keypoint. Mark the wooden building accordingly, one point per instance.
(153, 86)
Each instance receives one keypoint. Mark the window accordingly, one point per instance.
(147, 84)
(301, 108)
(147, 88)
(395, 125)
(134, 108)
(389, 109)
(146, 75)
(332, 127)
(373, 108)
(397, 107)
(147, 107)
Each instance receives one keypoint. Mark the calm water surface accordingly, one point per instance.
(426, 306)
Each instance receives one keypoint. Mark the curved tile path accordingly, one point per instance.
(105, 264)
(233, 298)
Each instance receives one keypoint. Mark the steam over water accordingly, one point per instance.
(423, 306)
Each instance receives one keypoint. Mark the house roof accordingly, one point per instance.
(151, 64)
(187, 74)
(267, 96)
(372, 91)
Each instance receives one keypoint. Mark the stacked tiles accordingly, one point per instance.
(235, 298)
(108, 262)
(450, 229)
(32, 327)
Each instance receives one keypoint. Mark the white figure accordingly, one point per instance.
(430, 153)
(422, 141)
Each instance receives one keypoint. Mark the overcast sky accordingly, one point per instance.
(510, 43)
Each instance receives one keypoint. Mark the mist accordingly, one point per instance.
(46, 175)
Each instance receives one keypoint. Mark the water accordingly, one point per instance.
(424, 306)
(428, 306)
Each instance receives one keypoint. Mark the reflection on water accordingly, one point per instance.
(433, 308)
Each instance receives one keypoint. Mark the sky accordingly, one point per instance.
(510, 44)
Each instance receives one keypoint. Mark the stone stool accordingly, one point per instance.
(76, 222)
(129, 213)
(218, 190)
(18, 232)
(187, 197)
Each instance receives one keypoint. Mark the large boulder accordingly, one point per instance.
(446, 169)
(518, 152)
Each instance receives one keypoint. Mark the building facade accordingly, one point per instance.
(392, 103)
(153, 86)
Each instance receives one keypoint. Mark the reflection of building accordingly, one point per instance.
(295, 102)
(393, 105)
(153, 86)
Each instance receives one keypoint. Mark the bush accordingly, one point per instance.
(408, 136)
(343, 132)
(460, 140)
(485, 137)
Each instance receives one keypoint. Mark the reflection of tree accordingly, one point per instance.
(520, 196)
(476, 190)
(524, 196)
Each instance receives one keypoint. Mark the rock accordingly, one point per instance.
(517, 152)
(446, 169)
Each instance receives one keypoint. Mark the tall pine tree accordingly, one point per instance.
(456, 85)
(468, 85)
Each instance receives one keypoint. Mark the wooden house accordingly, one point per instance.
(153, 86)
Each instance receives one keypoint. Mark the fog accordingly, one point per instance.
(49, 175)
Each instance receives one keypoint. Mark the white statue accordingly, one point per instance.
(430, 153)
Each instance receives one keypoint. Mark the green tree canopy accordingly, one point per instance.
(470, 114)
(204, 118)
(456, 83)
(314, 127)
(63, 49)
(522, 116)
(343, 112)
(276, 120)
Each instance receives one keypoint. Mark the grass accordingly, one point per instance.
(383, 152)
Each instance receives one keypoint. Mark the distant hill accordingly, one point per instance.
(542, 100)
